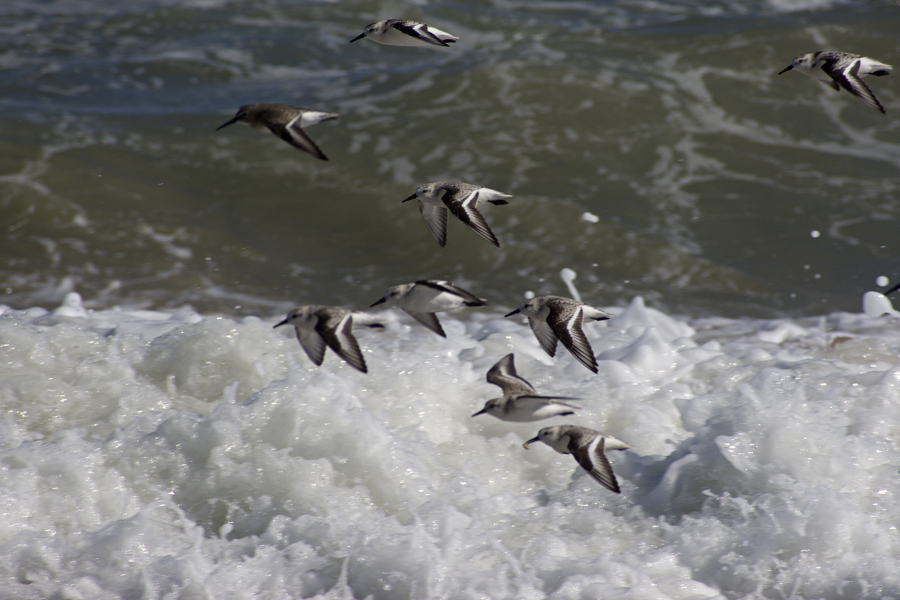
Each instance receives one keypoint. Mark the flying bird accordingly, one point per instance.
(439, 197)
(421, 299)
(318, 326)
(554, 318)
(285, 121)
(842, 70)
(520, 401)
(589, 448)
(400, 32)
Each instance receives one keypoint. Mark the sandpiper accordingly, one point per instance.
(462, 200)
(318, 326)
(842, 70)
(422, 299)
(587, 446)
(554, 318)
(285, 121)
(400, 32)
(520, 401)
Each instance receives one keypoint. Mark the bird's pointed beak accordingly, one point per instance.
(285, 322)
(377, 302)
(413, 197)
(515, 312)
(234, 120)
(480, 412)
(531, 441)
(789, 67)
(359, 37)
(892, 290)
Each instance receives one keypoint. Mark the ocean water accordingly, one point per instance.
(150, 454)
(650, 146)
(159, 439)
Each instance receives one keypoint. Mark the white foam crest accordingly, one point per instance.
(170, 453)
(876, 304)
(568, 276)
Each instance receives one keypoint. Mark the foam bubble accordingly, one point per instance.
(876, 304)
(152, 453)
(568, 276)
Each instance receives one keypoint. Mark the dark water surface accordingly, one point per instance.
(649, 146)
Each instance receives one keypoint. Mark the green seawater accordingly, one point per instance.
(650, 147)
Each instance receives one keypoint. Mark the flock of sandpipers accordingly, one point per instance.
(552, 318)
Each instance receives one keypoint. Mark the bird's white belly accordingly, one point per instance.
(392, 37)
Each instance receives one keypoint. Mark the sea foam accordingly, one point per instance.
(174, 455)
